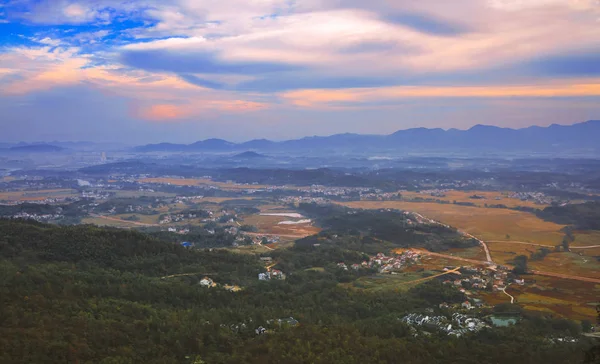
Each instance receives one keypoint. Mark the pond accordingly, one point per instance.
(504, 320)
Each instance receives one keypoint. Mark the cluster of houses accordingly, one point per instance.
(385, 264)
(262, 238)
(283, 322)
(537, 197)
(36, 217)
(481, 278)
(178, 231)
(46, 201)
(271, 274)
(209, 283)
(95, 195)
(458, 325)
(435, 192)
(297, 200)
(168, 219)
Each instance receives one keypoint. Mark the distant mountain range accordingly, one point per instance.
(36, 148)
(580, 138)
(57, 146)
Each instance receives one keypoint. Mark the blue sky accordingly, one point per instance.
(184, 70)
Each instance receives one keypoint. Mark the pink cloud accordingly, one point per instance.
(173, 112)
(321, 98)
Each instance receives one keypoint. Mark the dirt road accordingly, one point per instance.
(121, 220)
(512, 299)
(541, 245)
(433, 276)
(463, 233)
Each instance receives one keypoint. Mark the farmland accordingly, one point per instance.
(36, 195)
(485, 197)
(485, 223)
(572, 299)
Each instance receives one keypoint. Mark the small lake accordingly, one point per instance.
(504, 320)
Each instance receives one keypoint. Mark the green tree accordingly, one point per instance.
(520, 263)
(566, 244)
(586, 325)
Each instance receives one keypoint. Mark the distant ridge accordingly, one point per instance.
(36, 148)
(249, 155)
(582, 137)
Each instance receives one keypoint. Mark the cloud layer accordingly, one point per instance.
(194, 65)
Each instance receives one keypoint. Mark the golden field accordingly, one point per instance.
(567, 298)
(484, 223)
(463, 196)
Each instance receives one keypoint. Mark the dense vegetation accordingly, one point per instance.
(585, 216)
(84, 294)
(377, 227)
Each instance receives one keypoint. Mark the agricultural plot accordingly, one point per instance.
(565, 298)
(484, 223)
(488, 197)
(38, 195)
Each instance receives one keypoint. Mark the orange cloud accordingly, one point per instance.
(172, 112)
(329, 98)
(164, 112)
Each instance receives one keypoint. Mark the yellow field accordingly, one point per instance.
(484, 223)
(567, 298)
(37, 195)
(586, 238)
(463, 196)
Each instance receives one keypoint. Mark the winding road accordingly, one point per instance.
(488, 256)
(489, 260)
(512, 299)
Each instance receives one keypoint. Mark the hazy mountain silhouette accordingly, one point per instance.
(582, 137)
(36, 148)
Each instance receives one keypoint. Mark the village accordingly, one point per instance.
(458, 325)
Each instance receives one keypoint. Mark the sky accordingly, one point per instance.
(185, 70)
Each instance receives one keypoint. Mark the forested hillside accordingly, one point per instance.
(585, 216)
(84, 294)
(378, 227)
